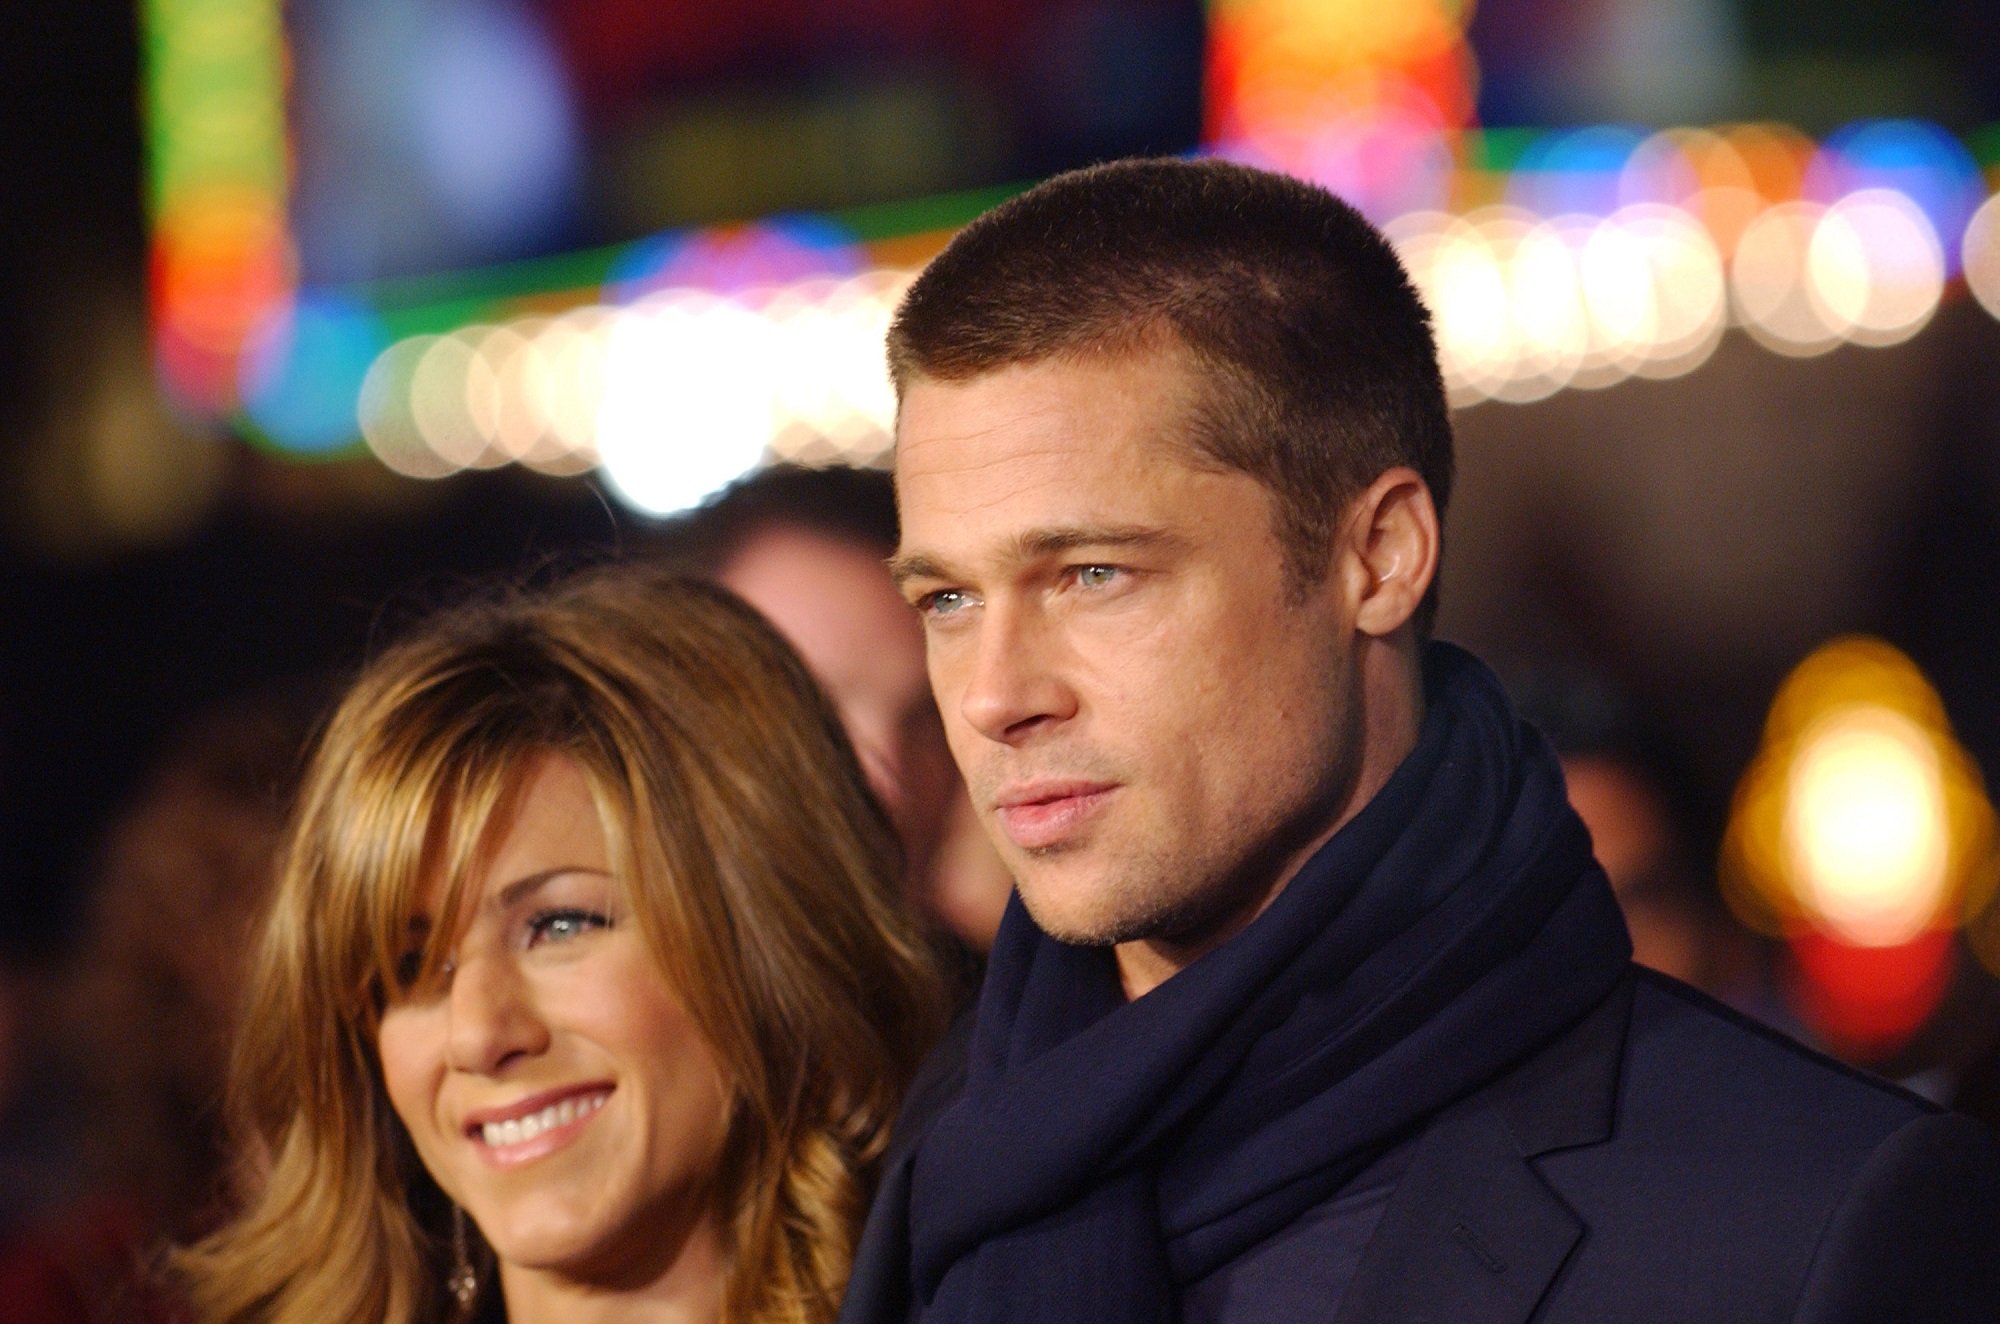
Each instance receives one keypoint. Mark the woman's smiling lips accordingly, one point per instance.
(541, 1124)
(1041, 814)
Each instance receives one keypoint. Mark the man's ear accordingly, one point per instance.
(1389, 550)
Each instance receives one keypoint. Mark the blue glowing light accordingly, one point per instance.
(1917, 159)
(774, 252)
(1574, 172)
(304, 372)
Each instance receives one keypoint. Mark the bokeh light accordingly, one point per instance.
(1981, 249)
(1911, 159)
(1876, 266)
(1567, 258)
(1865, 1002)
(1864, 834)
(1770, 290)
(1861, 826)
(304, 370)
(222, 264)
(686, 408)
(1861, 816)
(386, 414)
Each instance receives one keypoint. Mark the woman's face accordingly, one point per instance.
(548, 1076)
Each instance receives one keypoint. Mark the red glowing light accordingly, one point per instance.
(1868, 1001)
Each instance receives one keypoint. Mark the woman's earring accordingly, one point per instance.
(463, 1283)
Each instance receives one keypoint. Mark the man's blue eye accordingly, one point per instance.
(943, 602)
(1095, 576)
(562, 925)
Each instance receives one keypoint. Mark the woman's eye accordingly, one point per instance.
(562, 925)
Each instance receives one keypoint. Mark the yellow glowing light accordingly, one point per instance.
(1689, 293)
(1769, 287)
(447, 379)
(1860, 816)
(1618, 288)
(1980, 252)
(388, 425)
(1864, 833)
(1461, 280)
(505, 413)
(1546, 302)
(571, 392)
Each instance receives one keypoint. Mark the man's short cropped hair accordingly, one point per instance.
(1319, 367)
(856, 507)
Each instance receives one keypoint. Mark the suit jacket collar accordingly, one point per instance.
(1472, 1234)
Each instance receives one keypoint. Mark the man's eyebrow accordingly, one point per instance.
(903, 568)
(1047, 542)
(1069, 538)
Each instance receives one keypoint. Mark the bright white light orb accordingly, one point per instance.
(1876, 265)
(1865, 837)
(687, 401)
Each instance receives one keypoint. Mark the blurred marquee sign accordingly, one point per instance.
(1562, 259)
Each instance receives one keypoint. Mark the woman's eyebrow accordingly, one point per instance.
(527, 886)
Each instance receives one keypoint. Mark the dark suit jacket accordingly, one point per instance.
(1664, 1161)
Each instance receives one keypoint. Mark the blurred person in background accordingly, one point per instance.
(138, 1041)
(1646, 828)
(808, 547)
(588, 987)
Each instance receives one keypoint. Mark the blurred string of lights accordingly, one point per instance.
(1862, 836)
(1552, 260)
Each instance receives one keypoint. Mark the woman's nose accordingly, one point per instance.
(492, 1016)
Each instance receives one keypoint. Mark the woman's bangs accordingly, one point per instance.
(412, 861)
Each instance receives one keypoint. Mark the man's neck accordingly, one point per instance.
(1392, 714)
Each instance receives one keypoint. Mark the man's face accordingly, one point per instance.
(1154, 727)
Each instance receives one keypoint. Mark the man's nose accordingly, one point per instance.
(1015, 686)
(492, 1015)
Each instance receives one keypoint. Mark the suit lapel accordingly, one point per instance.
(1473, 1235)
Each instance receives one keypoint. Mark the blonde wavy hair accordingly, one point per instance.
(763, 877)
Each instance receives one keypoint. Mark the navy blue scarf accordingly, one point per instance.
(1104, 1152)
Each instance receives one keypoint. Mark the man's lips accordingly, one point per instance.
(1037, 815)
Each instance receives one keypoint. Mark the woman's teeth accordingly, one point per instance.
(521, 1129)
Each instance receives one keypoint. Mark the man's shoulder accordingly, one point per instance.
(1793, 1185)
(1694, 1067)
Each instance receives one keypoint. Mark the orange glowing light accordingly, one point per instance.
(1775, 157)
